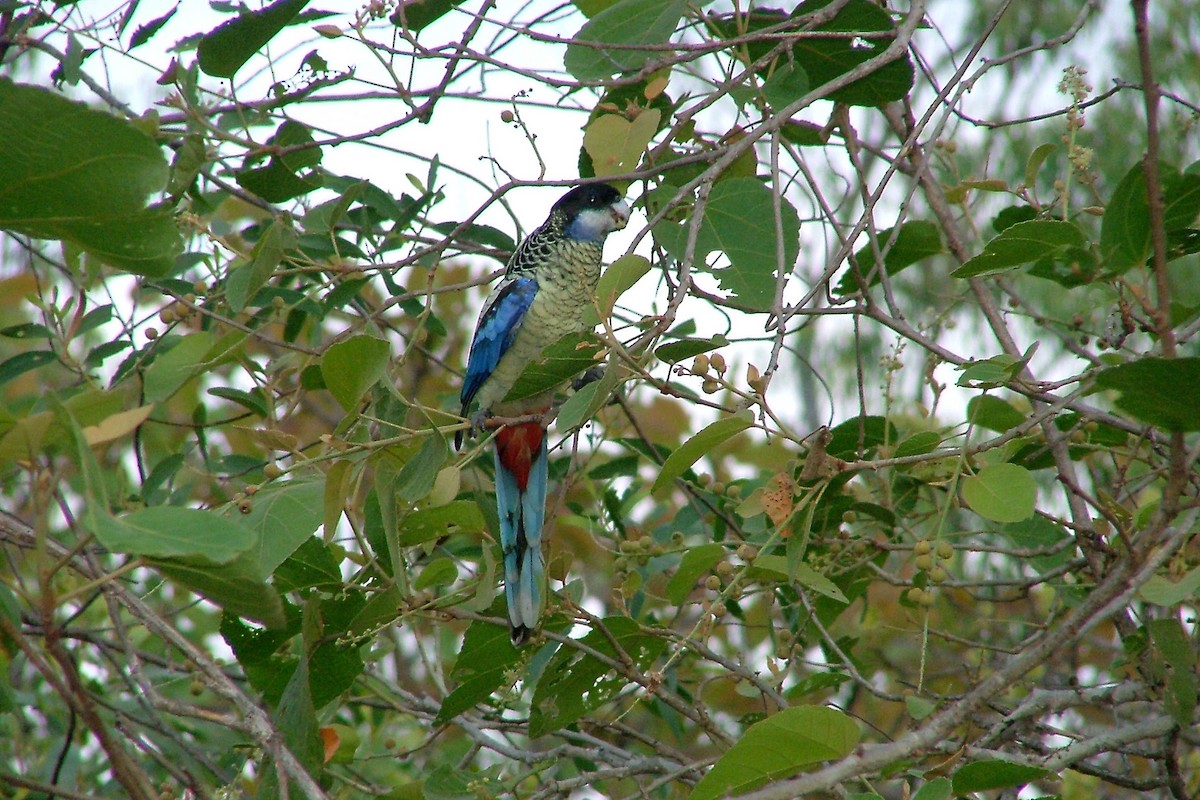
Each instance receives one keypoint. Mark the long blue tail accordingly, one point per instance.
(521, 502)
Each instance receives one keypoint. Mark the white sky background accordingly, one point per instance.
(468, 135)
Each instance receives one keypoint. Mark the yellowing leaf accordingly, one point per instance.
(656, 86)
(616, 145)
(778, 497)
(116, 426)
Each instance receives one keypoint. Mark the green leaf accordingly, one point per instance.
(991, 412)
(1007, 217)
(439, 572)
(95, 491)
(311, 566)
(918, 444)
(695, 562)
(585, 403)
(183, 360)
(353, 366)
(1181, 195)
(807, 576)
(94, 319)
(825, 59)
(919, 708)
(423, 525)
(1125, 238)
(1159, 391)
(236, 586)
(980, 776)
(739, 221)
(675, 352)
(83, 176)
(860, 434)
(246, 279)
(799, 572)
(1125, 231)
(166, 531)
(839, 49)
(1161, 591)
(574, 684)
(284, 515)
(1034, 164)
(696, 447)
(816, 682)
(778, 747)
(279, 179)
(628, 22)
(1038, 533)
(482, 667)
(26, 330)
(25, 362)
(994, 372)
(916, 241)
(380, 610)
(296, 718)
(1175, 648)
(22, 438)
(558, 363)
(1001, 492)
(252, 400)
(618, 277)
(230, 45)
(144, 33)
(1020, 244)
(787, 84)
(575, 411)
(936, 789)
(417, 15)
(416, 477)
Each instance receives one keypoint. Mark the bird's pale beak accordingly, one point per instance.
(620, 215)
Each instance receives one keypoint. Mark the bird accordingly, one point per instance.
(548, 284)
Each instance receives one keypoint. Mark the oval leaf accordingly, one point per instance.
(352, 367)
(981, 776)
(172, 369)
(284, 515)
(80, 175)
(777, 747)
(628, 22)
(691, 451)
(224, 49)
(695, 563)
(116, 426)
(171, 531)
(1160, 391)
(1020, 244)
(1001, 492)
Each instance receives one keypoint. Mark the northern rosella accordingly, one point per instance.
(549, 282)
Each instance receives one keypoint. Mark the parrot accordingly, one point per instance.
(548, 284)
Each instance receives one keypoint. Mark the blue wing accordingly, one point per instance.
(498, 326)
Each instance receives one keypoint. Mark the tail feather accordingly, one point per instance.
(521, 480)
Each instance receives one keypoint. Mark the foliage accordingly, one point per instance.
(887, 487)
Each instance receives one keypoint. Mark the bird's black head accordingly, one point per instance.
(589, 195)
(591, 211)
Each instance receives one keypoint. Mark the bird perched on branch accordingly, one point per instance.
(549, 282)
